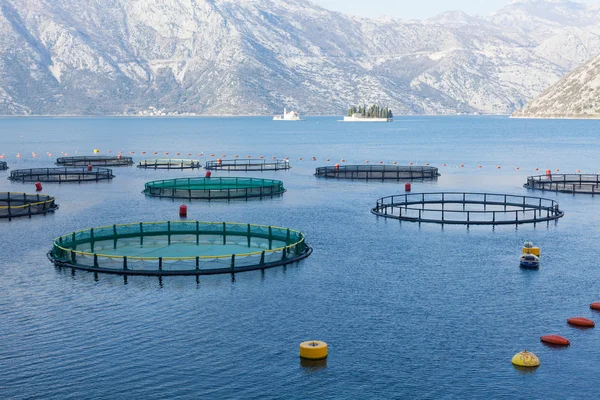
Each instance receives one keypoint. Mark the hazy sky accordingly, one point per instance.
(414, 8)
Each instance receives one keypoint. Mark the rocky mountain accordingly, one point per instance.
(221, 57)
(577, 95)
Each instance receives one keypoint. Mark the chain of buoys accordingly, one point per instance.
(313, 158)
(529, 360)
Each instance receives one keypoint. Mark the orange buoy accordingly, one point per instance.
(183, 210)
(89, 167)
(426, 163)
(342, 160)
(595, 306)
(300, 159)
(366, 161)
(189, 154)
(410, 163)
(548, 172)
(337, 167)
(555, 339)
(248, 157)
(177, 153)
(517, 168)
(380, 162)
(394, 163)
(166, 152)
(557, 170)
(443, 165)
(152, 153)
(38, 186)
(479, 166)
(580, 321)
(212, 155)
(274, 157)
(407, 187)
(260, 157)
(578, 171)
(219, 161)
(462, 165)
(537, 169)
(208, 174)
(223, 155)
(314, 158)
(143, 152)
(497, 167)
(236, 156)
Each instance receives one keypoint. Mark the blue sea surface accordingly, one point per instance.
(408, 311)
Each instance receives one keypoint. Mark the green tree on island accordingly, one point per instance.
(373, 111)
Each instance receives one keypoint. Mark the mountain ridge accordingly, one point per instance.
(222, 57)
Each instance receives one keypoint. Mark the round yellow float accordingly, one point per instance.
(313, 350)
(525, 359)
(96, 151)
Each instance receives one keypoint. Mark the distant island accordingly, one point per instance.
(372, 114)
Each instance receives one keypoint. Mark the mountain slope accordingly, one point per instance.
(577, 95)
(257, 56)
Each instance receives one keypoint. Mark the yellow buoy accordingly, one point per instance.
(526, 359)
(313, 350)
(96, 151)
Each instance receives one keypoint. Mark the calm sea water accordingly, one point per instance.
(408, 311)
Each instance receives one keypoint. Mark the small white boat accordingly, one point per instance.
(287, 116)
(530, 261)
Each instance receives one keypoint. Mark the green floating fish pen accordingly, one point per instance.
(378, 172)
(13, 205)
(169, 163)
(247, 165)
(468, 208)
(61, 175)
(566, 183)
(179, 248)
(105, 161)
(214, 188)
(3, 166)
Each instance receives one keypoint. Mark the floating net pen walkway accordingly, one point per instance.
(381, 172)
(247, 165)
(179, 248)
(60, 175)
(468, 208)
(568, 183)
(214, 188)
(3, 166)
(14, 205)
(84, 161)
(169, 163)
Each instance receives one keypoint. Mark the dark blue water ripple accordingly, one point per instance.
(408, 311)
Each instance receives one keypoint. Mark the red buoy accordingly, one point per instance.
(548, 172)
(595, 306)
(555, 339)
(337, 167)
(407, 187)
(580, 321)
(89, 167)
(183, 210)
(38, 186)
(208, 174)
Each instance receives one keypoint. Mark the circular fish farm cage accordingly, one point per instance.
(567, 183)
(380, 172)
(3, 166)
(468, 208)
(169, 163)
(14, 205)
(214, 188)
(247, 165)
(96, 161)
(179, 248)
(61, 175)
